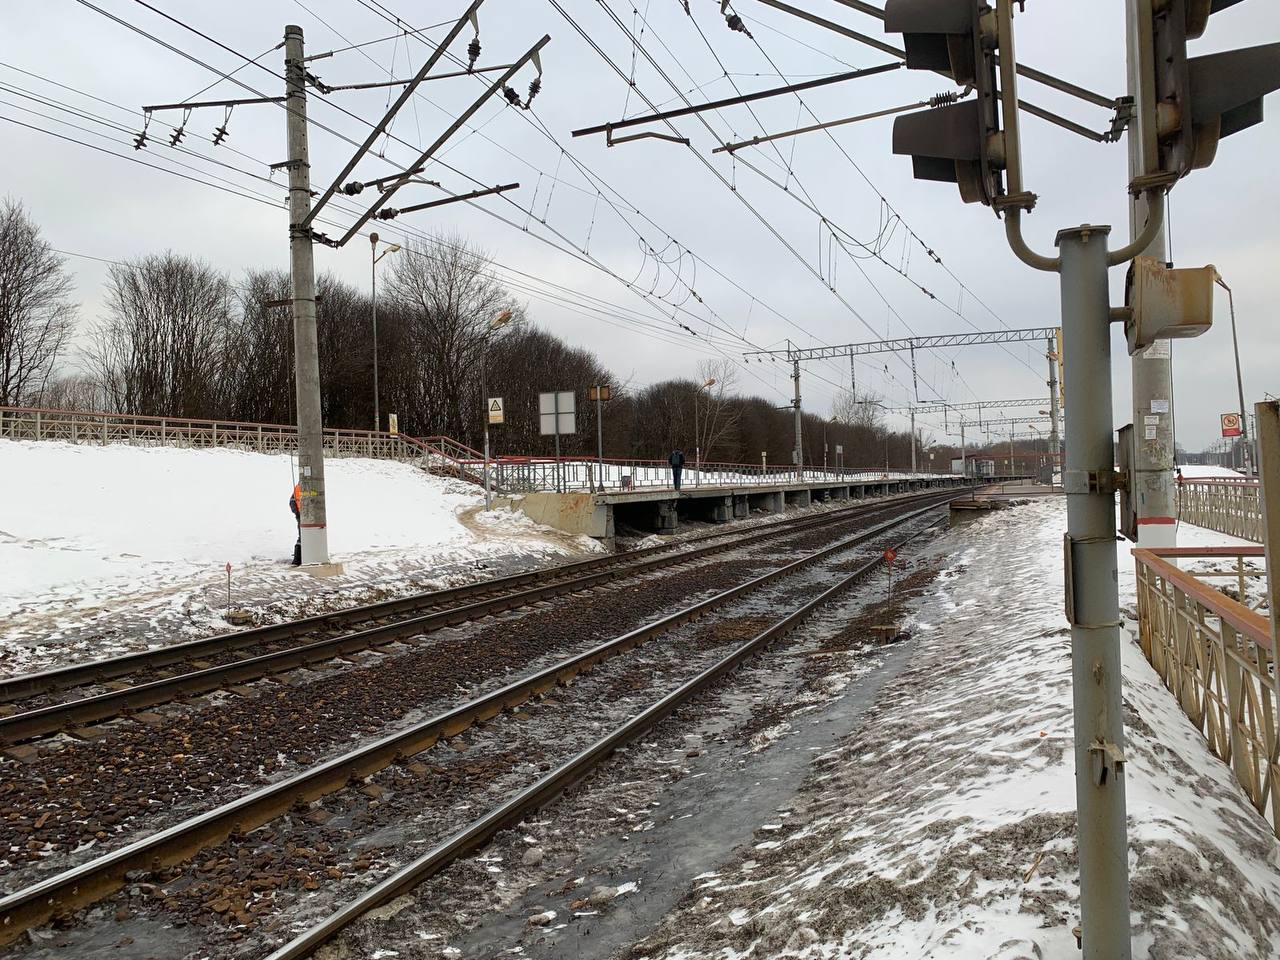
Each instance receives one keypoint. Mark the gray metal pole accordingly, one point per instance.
(698, 443)
(1093, 606)
(600, 434)
(1244, 414)
(913, 440)
(373, 285)
(799, 454)
(1055, 442)
(484, 402)
(964, 464)
(1155, 493)
(1267, 430)
(315, 537)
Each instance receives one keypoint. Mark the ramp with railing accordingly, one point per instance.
(1216, 655)
(1224, 504)
(438, 454)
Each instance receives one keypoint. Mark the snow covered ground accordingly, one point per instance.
(91, 533)
(945, 827)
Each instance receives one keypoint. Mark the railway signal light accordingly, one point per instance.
(1200, 100)
(959, 143)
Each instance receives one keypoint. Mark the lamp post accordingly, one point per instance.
(374, 257)
(501, 320)
(697, 440)
(1035, 446)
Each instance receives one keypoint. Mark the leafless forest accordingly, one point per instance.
(180, 338)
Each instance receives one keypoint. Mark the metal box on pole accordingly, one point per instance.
(1166, 303)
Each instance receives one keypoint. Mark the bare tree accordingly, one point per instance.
(163, 350)
(72, 392)
(719, 420)
(446, 297)
(259, 369)
(36, 311)
(857, 409)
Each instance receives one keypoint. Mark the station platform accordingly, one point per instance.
(661, 509)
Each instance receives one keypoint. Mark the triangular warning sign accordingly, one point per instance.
(495, 405)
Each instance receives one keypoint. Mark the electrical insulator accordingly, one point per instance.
(473, 53)
(352, 188)
(219, 135)
(178, 134)
(535, 86)
(735, 23)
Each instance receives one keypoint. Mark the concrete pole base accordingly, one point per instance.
(321, 570)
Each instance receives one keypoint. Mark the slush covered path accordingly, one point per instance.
(944, 826)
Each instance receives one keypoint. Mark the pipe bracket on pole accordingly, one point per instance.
(1105, 757)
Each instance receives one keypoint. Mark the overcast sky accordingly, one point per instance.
(656, 262)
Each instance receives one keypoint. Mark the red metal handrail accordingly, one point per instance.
(1248, 623)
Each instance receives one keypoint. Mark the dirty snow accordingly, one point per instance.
(945, 826)
(90, 528)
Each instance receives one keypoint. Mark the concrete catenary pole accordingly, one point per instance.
(964, 458)
(1055, 438)
(798, 455)
(1093, 603)
(306, 356)
(1154, 455)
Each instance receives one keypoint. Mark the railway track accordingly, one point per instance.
(163, 674)
(97, 878)
(545, 790)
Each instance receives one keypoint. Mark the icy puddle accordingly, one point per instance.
(944, 825)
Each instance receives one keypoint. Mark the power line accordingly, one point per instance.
(591, 42)
(602, 187)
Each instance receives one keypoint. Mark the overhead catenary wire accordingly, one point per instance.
(267, 69)
(578, 254)
(662, 73)
(603, 187)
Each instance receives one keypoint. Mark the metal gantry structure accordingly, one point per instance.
(795, 355)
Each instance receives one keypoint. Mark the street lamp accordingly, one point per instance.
(501, 320)
(374, 257)
(1035, 445)
(697, 440)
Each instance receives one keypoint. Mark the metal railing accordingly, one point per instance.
(1215, 654)
(437, 454)
(1227, 505)
(97, 427)
(614, 475)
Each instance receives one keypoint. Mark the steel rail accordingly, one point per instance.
(99, 671)
(94, 879)
(542, 792)
(27, 725)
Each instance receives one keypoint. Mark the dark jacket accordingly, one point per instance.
(676, 459)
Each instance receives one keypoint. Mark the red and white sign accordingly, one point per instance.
(890, 555)
(1230, 424)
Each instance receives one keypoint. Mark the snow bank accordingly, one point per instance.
(1201, 471)
(78, 520)
(945, 826)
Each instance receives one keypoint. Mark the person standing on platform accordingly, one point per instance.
(295, 504)
(677, 466)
